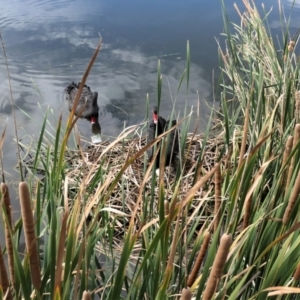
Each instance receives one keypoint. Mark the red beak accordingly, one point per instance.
(155, 117)
(93, 120)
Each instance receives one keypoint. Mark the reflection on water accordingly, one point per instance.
(49, 44)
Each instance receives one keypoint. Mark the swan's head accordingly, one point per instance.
(155, 115)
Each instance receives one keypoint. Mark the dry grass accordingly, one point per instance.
(128, 188)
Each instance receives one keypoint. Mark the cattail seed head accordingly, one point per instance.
(218, 266)
(8, 229)
(86, 295)
(186, 294)
(30, 236)
(292, 201)
(199, 260)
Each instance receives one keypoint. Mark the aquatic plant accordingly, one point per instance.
(224, 225)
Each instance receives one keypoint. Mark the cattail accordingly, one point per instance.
(8, 229)
(86, 295)
(287, 150)
(199, 260)
(292, 201)
(292, 163)
(167, 207)
(186, 294)
(3, 277)
(247, 206)
(217, 197)
(30, 236)
(218, 266)
(297, 272)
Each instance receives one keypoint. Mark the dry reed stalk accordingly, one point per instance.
(8, 229)
(186, 294)
(30, 236)
(297, 272)
(12, 109)
(217, 207)
(3, 277)
(247, 206)
(1, 154)
(297, 106)
(292, 163)
(218, 266)
(245, 131)
(86, 295)
(199, 260)
(292, 201)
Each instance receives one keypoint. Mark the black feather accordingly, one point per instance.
(173, 139)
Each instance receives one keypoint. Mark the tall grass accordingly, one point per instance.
(231, 231)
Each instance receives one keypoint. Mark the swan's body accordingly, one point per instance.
(87, 103)
(173, 144)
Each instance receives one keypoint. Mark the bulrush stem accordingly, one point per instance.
(4, 278)
(186, 294)
(218, 266)
(30, 236)
(8, 229)
(292, 201)
(292, 163)
(199, 260)
(217, 197)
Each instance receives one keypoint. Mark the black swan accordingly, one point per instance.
(173, 140)
(87, 98)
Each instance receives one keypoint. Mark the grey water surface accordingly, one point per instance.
(50, 42)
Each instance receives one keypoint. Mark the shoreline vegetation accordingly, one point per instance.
(99, 223)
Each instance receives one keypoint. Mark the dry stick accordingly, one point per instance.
(4, 278)
(8, 229)
(218, 266)
(199, 260)
(13, 110)
(30, 236)
(292, 163)
(186, 294)
(292, 201)
(217, 209)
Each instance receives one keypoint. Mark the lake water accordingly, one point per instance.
(50, 42)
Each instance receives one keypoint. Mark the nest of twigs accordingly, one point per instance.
(85, 163)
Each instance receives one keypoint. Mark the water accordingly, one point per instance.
(50, 42)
